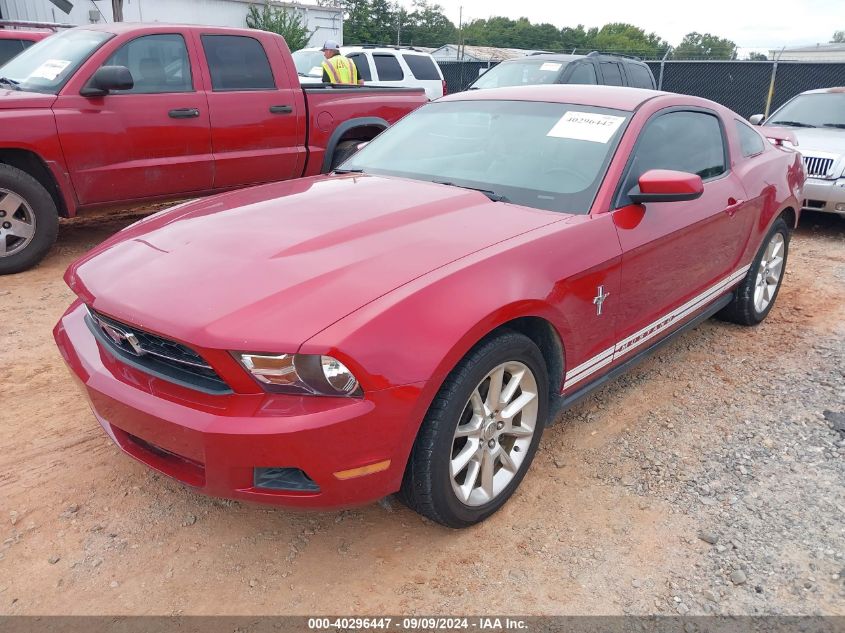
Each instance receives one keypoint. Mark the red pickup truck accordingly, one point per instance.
(119, 114)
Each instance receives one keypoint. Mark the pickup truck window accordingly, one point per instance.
(46, 66)
(237, 62)
(388, 67)
(639, 77)
(158, 63)
(9, 48)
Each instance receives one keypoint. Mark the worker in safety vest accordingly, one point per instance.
(337, 69)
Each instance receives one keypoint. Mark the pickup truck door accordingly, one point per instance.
(150, 141)
(257, 111)
(677, 256)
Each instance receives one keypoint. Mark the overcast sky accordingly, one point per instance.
(759, 24)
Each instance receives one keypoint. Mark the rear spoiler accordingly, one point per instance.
(53, 26)
(779, 135)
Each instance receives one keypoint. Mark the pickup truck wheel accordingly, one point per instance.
(29, 221)
(344, 150)
(480, 434)
(755, 296)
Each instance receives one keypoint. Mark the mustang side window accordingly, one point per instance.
(681, 141)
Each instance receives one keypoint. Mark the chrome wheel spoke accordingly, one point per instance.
(23, 230)
(488, 469)
(513, 385)
(518, 431)
(494, 392)
(10, 203)
(470, 480)
(472, 428)
(507, 462)
(460, 461)
(518, 405)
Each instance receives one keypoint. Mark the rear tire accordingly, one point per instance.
(29, 221)
(480, 434)
(755, 296)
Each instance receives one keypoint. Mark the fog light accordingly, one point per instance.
(284, 479)
(840, 206)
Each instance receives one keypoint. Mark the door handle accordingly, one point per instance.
(281, 109)
(734, 205)
(184, 113)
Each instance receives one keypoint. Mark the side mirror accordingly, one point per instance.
(665, 185)
(757, 119)
(106, 79)
(361, 146)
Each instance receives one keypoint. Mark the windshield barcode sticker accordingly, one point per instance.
(587, 126)
(50, 69)
(550, 66)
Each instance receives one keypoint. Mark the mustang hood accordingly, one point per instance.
(267, 268)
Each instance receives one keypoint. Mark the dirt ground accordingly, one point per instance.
(723, 431)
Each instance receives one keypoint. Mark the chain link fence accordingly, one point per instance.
(742, 86)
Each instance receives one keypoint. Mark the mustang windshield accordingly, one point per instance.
(824, 109)
(47, 65)
(548, 156)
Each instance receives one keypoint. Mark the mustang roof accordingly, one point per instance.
(600, 96)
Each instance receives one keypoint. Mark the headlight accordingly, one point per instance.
(303, 374)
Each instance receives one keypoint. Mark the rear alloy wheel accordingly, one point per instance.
(29, 221)
(480, 434)
(755, 296)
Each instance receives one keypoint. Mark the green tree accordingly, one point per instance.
(357, 22)
(838, 37)
(619, 37)
(427, 25)
(757, 57)
(576, 38)
(286, 22)
(704, 46)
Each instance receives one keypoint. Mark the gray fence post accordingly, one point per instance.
(662, 65)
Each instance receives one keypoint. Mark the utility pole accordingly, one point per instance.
(117, 10)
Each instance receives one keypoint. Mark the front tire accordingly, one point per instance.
(29, 221)
(480, 434)
(755, 296)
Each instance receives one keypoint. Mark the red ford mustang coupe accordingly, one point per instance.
(411, 322)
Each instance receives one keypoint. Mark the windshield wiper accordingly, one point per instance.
(839, 125)
(495, 197)
(10, 82)
(790, 123)
(348, 171)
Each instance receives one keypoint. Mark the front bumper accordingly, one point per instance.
(824, 195)
(214, 442)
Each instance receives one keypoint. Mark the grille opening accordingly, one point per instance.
(814, 204)
(292, 479)
(155, 354)
(817, 166)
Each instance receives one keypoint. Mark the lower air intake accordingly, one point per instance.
(292, 479)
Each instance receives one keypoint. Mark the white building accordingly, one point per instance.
(324, 23)
(812, 53)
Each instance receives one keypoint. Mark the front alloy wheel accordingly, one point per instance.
(495, 432)
(480, 433)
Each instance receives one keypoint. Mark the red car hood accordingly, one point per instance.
(24, 100)
(266, 268)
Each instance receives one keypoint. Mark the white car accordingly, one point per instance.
(394, 66)
(817, 118)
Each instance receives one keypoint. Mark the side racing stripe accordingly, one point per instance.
(635, 340)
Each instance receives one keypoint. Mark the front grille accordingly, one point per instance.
(814, 204)
(818, 166)
(155, 354)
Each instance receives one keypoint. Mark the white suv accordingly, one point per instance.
(396, 66)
